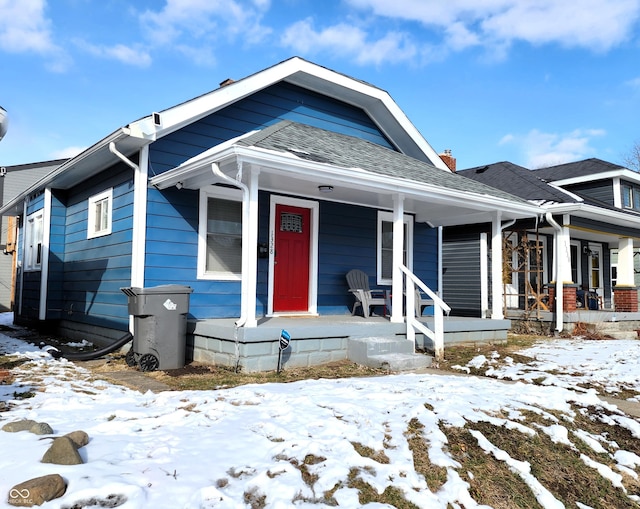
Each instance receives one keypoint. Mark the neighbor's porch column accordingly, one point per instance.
(249, 283)
(496, 268)
(625, 291)
(397, 259)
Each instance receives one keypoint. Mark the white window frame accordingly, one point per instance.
(34, 237)
(94, 204)
(387, 217)
(205, 194)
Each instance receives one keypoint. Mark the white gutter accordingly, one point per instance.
(559, 291)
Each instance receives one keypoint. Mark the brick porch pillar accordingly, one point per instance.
(626, 298)
(569, 294)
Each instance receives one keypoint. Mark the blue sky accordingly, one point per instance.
(534, 82)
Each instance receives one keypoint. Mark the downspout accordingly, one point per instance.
(135, 249)
(245, 246)
(559, 291)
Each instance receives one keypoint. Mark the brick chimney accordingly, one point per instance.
(448, 159)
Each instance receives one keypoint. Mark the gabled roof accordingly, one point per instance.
(583, 171)
(377, 103)
(322, 146)
(297, 159)
(518, 181)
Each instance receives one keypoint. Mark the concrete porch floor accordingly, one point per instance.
(620, 325)
(321, 339)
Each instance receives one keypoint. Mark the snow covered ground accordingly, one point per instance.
(224, 448)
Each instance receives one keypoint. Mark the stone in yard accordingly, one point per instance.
(41, 428)
(37, 491)
(79, 438)
(62, 452)
(15, 426)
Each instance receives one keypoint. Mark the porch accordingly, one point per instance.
(607, 322)
(321, 339)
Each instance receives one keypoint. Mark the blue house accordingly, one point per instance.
(259, 196)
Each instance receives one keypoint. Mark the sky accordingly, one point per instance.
(533, 82)
(222, 448)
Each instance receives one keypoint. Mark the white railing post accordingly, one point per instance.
(439, 308)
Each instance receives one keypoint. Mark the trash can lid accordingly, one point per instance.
(160, 289)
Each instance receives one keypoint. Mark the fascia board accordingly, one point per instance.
(65, 169)
(595, 213)
(387, 115)
(606, 175)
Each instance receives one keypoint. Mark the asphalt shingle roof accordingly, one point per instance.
(319, 145)
(576, 169)
(518, 181)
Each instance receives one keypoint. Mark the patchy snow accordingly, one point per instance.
(215, 449)
(611, 365)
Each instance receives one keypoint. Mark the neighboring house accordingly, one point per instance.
(14, 180)
(260, 196)
(592, 213)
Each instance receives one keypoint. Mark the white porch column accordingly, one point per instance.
(625, 262)
(249, 283)
(398, 247)
(563, 253)
(496, 268)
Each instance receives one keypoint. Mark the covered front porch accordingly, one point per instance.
(321, 339)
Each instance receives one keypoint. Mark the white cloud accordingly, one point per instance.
(344, 39)
(24, 28)
(633, 83)
(193, 26)
(596, 25)
(542, 149)
(120, 52)
(67, 153)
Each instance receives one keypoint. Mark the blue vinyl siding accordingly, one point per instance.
(281, 101)
(95, 269)
(172, 250)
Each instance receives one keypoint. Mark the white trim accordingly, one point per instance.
(578, 245)
(314, 207)
(484, 275)
(604, 175)
(44, 263)
(92, 201)
(223, 194)
(30, 265)
(384, 216)
(379, 105)
(617, 193)
(139, 219)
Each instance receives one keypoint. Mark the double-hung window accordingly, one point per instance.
(385, 246)
(99, 214)
(220, 234)
(33, 245)
(631, 197)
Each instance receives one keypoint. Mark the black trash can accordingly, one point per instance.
(159, 326)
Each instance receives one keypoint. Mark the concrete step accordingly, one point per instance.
(397, 362)
(394, 354)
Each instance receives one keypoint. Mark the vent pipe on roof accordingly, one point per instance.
(226, 82)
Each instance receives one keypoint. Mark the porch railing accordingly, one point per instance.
(440, 307)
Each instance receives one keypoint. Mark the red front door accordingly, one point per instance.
(291, 259)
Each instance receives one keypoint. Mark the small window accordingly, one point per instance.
(385, 246)
(100, 212)
(33, 246)
(220, 250)
(631, 197)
